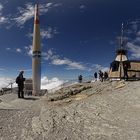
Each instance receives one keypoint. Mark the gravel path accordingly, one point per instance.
(105, 111)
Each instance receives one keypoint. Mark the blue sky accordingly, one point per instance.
(77, 36)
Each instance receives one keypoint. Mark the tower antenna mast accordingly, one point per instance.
(36, 59)
(122, 34)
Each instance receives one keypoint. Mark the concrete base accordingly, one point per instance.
(36, 93)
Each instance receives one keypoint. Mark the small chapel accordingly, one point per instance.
(116, 71)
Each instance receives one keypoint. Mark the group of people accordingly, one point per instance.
(103, 76)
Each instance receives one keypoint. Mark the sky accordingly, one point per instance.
(77, 36)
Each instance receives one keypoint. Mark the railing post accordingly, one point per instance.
(11, 87)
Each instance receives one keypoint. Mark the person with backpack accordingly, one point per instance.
(20, 82)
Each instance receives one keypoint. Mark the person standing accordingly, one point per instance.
(80, 77)
(125, 72)
(105, 76)
(95, 76)
(101, 75)
(20, 82)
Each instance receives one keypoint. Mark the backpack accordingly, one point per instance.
(17, 80)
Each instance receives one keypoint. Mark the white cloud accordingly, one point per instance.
(8, 49)
(56, 60)
(61, 61)
(29, 35)
(105, 69)
(97, 67)
(133, 27)
(82, 6)
(46, 34)
(25, 14)
(52, 84)
(69, 64)
(47, 55)
(29, 50)
(49, 4)
(75, 65)
(134, 49)
(3, 19)
(57, 4)
(1, 7)
(138, 33)
(49, 33)
(15, 50)
(18, 50)
(4, 82)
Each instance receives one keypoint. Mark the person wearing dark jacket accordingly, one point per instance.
(101, 75)
(125, 72)
(20, 82)
(95, 76)
(80, 77)
(105, 75)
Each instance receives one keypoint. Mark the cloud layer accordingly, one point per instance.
(4, 82)
(134, 49)
(51, 84)
(133, 44)
(57, 60)
(26, 13)
(3, 19)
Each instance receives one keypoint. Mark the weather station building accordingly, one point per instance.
(116, 71)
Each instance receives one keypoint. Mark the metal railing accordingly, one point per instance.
(9, 88)
(70, 82)
(67, 82)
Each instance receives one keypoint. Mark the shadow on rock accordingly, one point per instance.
(30, 98)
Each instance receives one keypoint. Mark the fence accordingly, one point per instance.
(70, 82)
(28, 85)
(9, 88)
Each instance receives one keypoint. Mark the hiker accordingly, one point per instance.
(95, 76)
(20, 81)
(125, 68)
(101, 75)
(80, 77)
(105, 75)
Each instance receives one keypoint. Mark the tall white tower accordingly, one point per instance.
(36, 59)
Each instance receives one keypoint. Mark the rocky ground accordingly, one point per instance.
(87, 111)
